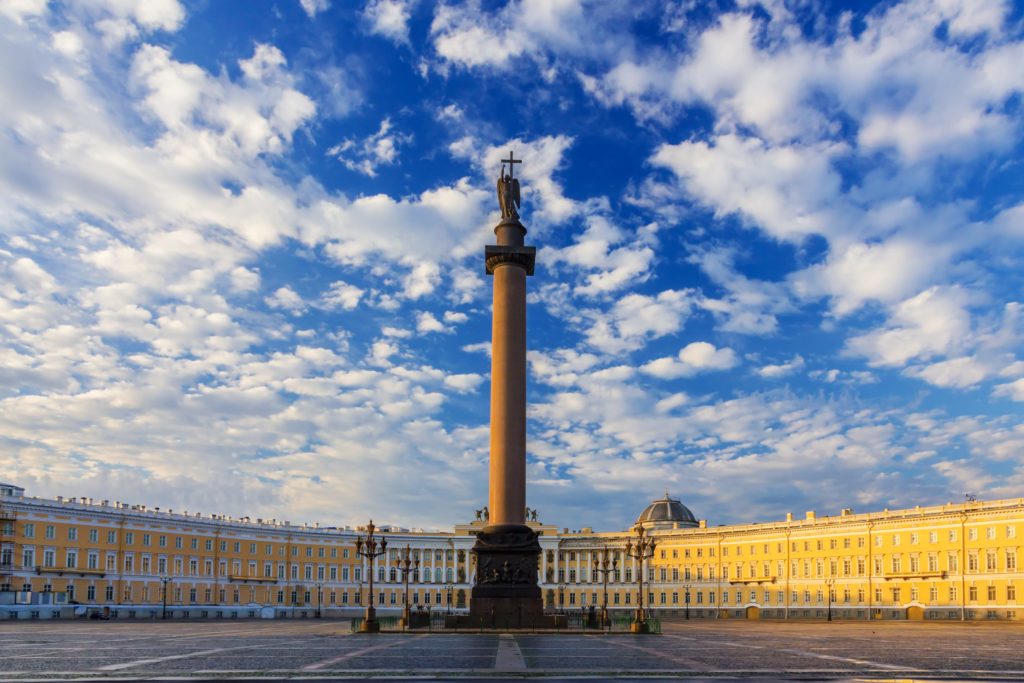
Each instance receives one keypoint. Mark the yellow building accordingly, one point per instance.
(70, 557)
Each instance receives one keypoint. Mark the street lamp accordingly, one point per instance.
(607, 562)
(561, 597)
(686, 599)
(319, 598)
(829, 583)
(164, 580)
(368, 547)
(642, 549)
(450, 589)
(407, 565)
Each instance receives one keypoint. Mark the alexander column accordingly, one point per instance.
(506, 593)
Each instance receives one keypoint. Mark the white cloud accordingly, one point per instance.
(694, 358)
(781, 369)
(790, 191)
(287, 299)
(314, 7)
(19, 10)
(635, 318)
(1012, 390)
(749, 306)
(935, 322)
(464, 383)
(455, 317)
(427, 323)
(368, 155)
(389, 18)
(340, 294)
(617, 267)
(962, 372)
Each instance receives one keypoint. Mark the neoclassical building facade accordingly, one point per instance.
(68, 557)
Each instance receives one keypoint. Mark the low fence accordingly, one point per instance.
(575, 621)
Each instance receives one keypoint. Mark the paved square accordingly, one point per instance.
(326, 649)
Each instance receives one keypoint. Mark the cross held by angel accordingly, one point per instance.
(508, 188)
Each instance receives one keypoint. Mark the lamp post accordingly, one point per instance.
(686, 599)
(450, 589)
(319, 598)
(642, 549)
(607, 562)
(370, 548)
(164, 580)
(829, 583)
(561, 597)
(407, 565)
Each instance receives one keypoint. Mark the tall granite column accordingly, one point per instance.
(509, 262)
(506, 593)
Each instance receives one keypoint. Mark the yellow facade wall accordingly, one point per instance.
(943, 562)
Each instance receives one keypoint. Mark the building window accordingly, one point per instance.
(129, 538)
(94, 535)
(90, 593)
(109, 593)
(991, 593)
(1011, 591)
(51, 531)
(972, 593)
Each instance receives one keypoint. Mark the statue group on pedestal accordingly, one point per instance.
(483, 515)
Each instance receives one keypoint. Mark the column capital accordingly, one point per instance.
(497, 255)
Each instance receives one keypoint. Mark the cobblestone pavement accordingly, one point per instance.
(325, 650)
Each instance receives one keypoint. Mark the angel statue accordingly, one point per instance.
(508, 193)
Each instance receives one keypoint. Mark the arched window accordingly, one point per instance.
(380, 574)
(437, 575)
(393, 574)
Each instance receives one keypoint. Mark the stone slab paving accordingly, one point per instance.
(327, 650)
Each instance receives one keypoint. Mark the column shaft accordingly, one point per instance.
(507, 500)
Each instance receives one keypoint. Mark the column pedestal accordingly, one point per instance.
(506, 593)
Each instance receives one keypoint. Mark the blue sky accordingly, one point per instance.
(779, 254)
